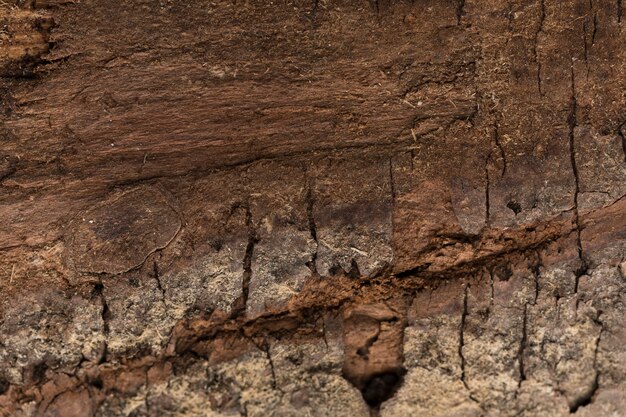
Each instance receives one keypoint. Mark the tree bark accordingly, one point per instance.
(324, 208)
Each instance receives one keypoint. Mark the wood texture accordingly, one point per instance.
(328, 207)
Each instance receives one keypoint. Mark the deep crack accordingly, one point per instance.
(247, 259)
(157, 276)
(572, 123)
(522, 348)
(462, 336)
(310, 213)
(105, 315)
(621, 132)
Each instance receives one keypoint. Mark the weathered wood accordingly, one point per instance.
(325, 207)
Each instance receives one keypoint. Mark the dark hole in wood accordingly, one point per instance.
(515, 206)
(4, 386)
(381, 387)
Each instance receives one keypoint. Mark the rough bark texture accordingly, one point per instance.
(312, 208)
